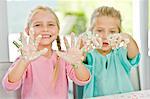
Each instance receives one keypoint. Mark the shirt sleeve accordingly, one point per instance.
(88, 90)
(8, 85)
(89, 62)
(72, 76)
(128, 63)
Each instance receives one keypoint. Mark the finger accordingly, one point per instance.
(37, 40)
(90, 47)
(95, 42)
(72, 39)
(83, 57)
(31, 36)
(23, 39)
(78, 45)
(119, 38)
(66, 43)
(82, 42)
(21, 51)
(99, 40)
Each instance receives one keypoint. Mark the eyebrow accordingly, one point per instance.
(114, 28)
(41, 22)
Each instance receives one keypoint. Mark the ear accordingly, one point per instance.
(27, 30)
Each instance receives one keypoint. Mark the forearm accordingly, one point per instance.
(132, 48)
(82, 73)
(17, 71)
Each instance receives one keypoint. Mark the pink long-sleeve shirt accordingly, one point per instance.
(36, 81)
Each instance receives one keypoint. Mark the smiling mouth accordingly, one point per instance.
(44, 36)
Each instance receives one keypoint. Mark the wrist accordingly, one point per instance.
(24, 60)
(76, 65)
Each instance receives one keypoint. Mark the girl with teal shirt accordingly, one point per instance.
(109, 66)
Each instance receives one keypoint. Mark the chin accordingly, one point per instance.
(45, 43)
(106, 48)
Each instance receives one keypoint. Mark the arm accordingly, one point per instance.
(29, 52)
(124, 39)
(82, 73)
(17, 71)
(129, 56)
(77, 76)
(132, 48)
(13, 79)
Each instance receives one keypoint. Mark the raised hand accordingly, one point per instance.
(117, 40)
(29, 45)
(92, 40)
(75, 54)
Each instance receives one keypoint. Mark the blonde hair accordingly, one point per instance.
(41, 8)
(29, 21)
(105, 11)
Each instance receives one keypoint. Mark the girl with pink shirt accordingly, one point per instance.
(41, 72)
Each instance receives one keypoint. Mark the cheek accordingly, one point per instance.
(35, 31)
(54, 31)
(100, 35)
(97, 33)
(36, 34)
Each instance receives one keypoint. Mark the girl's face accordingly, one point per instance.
(103, 26)
(44, 24)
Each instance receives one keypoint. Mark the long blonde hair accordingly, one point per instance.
(29, 21)
(105, 11)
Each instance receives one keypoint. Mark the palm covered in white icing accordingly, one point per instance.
(29, 45)
(91, 39)
(75, 53)
(115, 40)
(118, 40)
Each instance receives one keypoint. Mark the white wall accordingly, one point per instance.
(145, 59)
(141, 33)
(4, 64)
(3, 32)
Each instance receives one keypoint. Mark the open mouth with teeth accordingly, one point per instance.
(46, 36)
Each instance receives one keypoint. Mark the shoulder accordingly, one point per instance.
(90, 57)
(91, 52)
(120, 50)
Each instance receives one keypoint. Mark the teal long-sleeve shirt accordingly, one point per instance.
(110, 73)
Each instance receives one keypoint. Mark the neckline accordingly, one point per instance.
(103, 55)
(50, 57)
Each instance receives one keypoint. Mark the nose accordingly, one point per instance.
(105, 35)
(45, 28)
